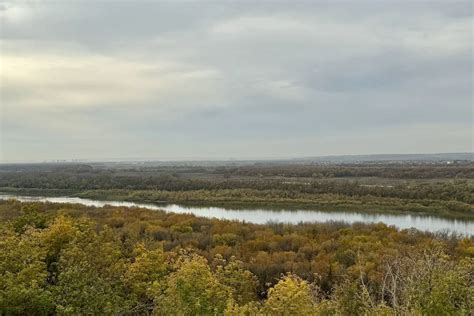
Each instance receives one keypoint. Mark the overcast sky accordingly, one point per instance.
(166, 80)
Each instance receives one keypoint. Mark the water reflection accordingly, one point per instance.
(261, 216)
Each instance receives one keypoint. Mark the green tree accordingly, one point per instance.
(193, 290)
(290, 296)
(59, 234)
(23, 287)
(350, 299)
(249, 309)
(30, 217)
(89, 280)
(441, 288)
(145, 275)
(242, 283)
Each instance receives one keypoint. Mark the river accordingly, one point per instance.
(262, 216)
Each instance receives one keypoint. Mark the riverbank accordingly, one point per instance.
(265, 216)
(271, 199)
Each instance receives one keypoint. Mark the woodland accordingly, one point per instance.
(71, 259)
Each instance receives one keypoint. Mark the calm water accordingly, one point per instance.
(261, 216)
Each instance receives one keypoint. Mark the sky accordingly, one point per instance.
(101, 80)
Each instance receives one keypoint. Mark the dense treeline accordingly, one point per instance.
(262, 184)
(459, 190)
(71, 259)
(281, 199)
(464, 170)
(399, 170)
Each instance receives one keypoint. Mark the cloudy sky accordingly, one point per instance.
(167, 80)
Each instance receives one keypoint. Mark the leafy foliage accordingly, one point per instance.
(85, 260)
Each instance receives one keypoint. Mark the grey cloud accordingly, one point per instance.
(101, 79)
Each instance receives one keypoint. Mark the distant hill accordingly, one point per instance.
(391, 157)
(334, 159)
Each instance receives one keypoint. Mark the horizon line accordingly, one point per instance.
(222, 159)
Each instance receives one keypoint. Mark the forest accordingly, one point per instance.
(236, 158)
(430, 188)
(71, 259)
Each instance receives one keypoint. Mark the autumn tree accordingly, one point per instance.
(23, 274)
(144, 277)
(192, 290)
(89, 280)
(290, 296)
(242, 283)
